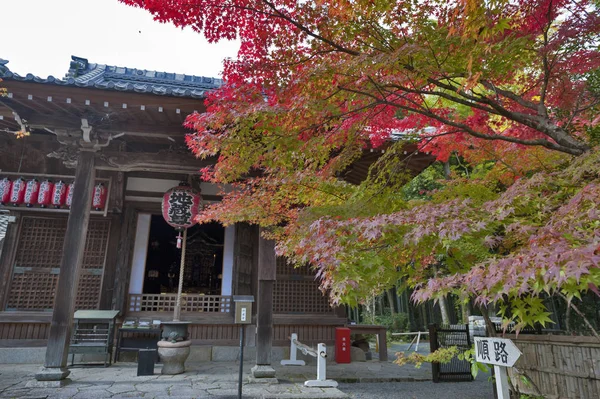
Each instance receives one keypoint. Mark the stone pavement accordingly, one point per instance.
(201, 380)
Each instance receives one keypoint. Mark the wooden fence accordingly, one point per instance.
(558, 367)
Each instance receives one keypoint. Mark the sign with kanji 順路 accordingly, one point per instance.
(496, 351)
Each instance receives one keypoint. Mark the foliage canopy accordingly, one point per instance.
(509, 88)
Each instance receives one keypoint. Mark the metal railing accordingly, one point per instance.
(189, 303)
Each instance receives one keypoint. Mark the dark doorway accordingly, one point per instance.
(203, 259)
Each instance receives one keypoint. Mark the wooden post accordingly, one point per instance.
(177, 311)
(55, 366)
(108, 280)
(9, 250)
(128, 226)
(501, 382)
(264, 315)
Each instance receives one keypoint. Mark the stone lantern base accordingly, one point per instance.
(173, 356)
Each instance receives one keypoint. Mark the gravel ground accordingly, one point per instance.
(478, 389)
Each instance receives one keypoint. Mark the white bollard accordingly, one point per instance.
(293, 350)
(321, 381)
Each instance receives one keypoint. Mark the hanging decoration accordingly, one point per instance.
(45, 193)
(59, 194)
(180, 206)
(5, 190)
(69, 200)
(17, 194)
(99, 197)
(31, 192)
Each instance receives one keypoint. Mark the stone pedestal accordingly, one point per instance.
(263, 371)
(52, 374)
(173, 356)
(50, 377)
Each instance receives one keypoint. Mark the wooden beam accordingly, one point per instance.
(161, 161)
(55, 365)
(79, 94)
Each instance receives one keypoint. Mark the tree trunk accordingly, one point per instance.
(466, 311)
(491, 329)
(444, 310)
(443, 304)
(424, 321)
(447, 170)
(390, 297)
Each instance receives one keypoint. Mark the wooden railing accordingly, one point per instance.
(189, 303)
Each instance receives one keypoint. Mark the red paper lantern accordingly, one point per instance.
(31, 192)
(45, 193)
(5, 190)
(59, 194)
(70, 189)
(17, 194)
(99, 198)
(180, 206)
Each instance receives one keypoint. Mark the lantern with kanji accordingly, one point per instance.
(5, 189)
(31, 192)
(69, 200)
(180, 206)
(99, 197)
(17, 194)
(45, 193)
(59, 194)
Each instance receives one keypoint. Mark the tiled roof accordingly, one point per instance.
(85, 74)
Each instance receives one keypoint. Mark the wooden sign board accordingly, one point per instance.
(496, 351)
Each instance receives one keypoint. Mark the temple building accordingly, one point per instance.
(99, 149)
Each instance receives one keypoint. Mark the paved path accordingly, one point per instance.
(219, 380)
(359, 380)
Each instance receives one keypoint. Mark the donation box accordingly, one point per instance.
(342, 345)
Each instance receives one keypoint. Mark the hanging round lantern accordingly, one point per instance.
(17, 194)
(99, 197)
(180, 206)
(45, 193)
(5, 190)
(59, 194)
(32, 190)
(69, 200)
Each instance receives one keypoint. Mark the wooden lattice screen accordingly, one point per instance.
(296, 291)
(37, 264)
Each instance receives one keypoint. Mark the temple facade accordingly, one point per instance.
(121, 129)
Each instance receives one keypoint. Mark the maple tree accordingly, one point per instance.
(512, 88)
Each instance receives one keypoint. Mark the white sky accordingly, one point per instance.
(39, 37)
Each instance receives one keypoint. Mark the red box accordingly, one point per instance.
(342, 345)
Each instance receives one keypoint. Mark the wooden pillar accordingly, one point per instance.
(114, 239)
(108, 280)
(55, 366)
(7, 259)
(128, 227)
(264, 315)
